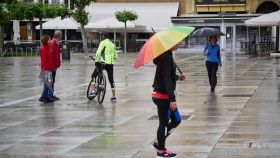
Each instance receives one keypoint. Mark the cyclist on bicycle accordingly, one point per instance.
(107, 54)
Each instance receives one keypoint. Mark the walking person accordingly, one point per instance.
(106, 53)
(164, 97)
(213, 60)
(55, 51)
(46, 69)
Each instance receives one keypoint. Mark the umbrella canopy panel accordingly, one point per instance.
(207, 31)
(160, 43)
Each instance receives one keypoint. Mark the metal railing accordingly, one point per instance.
(209, 2)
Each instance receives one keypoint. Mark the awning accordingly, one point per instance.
(155, 15)
(109, 23)
(271, 19)
(150, 15)
(57, 23)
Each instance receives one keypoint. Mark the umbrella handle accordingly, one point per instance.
(178, 69)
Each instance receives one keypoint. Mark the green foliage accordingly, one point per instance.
(81, 4)
(80, 15)
(5, 14)
(64, 12)
(29, 11)
(126, 15)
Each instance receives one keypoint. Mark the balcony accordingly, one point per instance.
(218, 2)
(218, 6)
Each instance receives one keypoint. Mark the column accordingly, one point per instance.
(29, 31)
(16, 30)
(223, 38)
(273, 35)
(278, 39)
(234, 37)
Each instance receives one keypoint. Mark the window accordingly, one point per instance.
(220, 1)
(55, 1)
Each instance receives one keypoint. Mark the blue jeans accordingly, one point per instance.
(47, 92)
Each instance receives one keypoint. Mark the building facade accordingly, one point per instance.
(214, 6)
(226, 15)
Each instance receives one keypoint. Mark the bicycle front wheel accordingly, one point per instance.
(89, 90)
(101, 83)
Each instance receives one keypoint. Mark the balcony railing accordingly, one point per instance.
(209, 2)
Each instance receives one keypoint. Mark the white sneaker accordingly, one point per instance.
(92, 94)
(113, 99)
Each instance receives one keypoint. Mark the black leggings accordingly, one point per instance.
(168, 120)
(212, 68)
(110, 71)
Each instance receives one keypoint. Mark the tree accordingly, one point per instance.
(5, 16)
(43, 10)
(81, 16)
(30, 11)
(124, 16)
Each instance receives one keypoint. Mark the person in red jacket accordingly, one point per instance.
(55, 51)
(46, 69)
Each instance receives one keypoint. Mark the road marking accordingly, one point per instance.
(37, 96)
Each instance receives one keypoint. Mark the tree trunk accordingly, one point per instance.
(125, 55)
(41, 28)
(1, 37)
(125, 42)
(85, 48)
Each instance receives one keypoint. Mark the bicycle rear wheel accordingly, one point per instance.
(89, 90)
(101, 84)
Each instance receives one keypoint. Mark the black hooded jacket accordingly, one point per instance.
(165, 77)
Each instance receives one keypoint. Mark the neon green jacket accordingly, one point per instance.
(109, 55)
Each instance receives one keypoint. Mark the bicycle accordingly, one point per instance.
(100, 84)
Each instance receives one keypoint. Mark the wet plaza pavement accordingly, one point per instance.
(239, 120)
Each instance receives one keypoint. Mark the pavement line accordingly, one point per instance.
(37, 96)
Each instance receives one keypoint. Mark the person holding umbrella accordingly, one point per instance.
(164, 97)
(212, 52)
(159, 49)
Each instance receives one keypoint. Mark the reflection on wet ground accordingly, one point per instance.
(239, 120)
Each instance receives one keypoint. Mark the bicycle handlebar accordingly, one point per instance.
(92, 58)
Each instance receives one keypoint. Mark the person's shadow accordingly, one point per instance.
(212, 106)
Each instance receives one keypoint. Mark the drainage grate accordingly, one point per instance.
(183, 117)
(258, 145)
(237, 95)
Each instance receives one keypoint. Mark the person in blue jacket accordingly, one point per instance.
(212, 52)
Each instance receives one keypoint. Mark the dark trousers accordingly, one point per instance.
(168, 120)
(110, 72)
(53, 77)
(212, 68)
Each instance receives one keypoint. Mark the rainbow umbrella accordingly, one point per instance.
(160, 43)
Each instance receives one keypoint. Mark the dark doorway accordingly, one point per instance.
(267, 7)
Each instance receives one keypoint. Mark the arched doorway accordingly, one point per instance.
(267, 7)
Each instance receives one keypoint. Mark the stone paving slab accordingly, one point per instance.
(239, 120)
